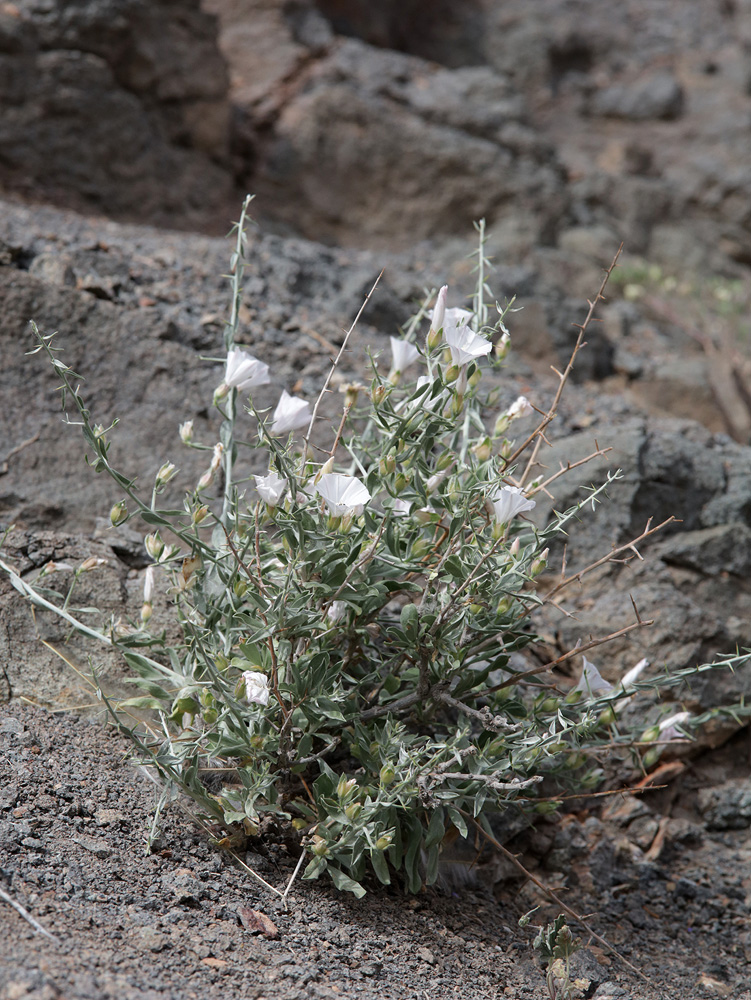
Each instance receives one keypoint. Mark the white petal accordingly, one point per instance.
(271, 488)
(244, 371)
(632, 675)
(290, 414)
(591, 681)
(256, 687)
(148, 585)
(521, 407)
(403, 354)
(679, 719)
(438, 313)
(343, 494)
(465, 345)
(508, 502)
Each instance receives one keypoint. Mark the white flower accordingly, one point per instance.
(271, 488)
(439, 310)
(465, 345)
(454, 318)
(336, 611)
(591, 681)
(290, 414)
(343, 494)
(256, 687)
(628, 680)
(421, 391)
(668, 727)
(632, 675)
(243, 371)
(508, 502)
(521, 407)
(186, 432)
(148, 585)
(403, 354)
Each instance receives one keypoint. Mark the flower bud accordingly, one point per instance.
(154, 545)
(220, 393)
(421, 548)
(351, 392)
(539, 564)
(483, 450)
(200, 514)
(515, 547)
(92, 562)
(504, 606)
(326, 469)
(401, 482)
(434, 339)
(384, 842)
(353, 810)
(186, 432)
(546, 808)
(345, 786)
(387, 774)
(501, 425)
(608, 716)
(166, 472)
(387, 465)
(118, 514)
(439, 310)
(503, 346)
(474, 378)
(452, 373)
(318, 846)
(146, 611)
(378, 393)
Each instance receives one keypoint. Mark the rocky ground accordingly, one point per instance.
(665, 885)
(571, 127)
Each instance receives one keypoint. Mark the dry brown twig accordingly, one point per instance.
(537, 436)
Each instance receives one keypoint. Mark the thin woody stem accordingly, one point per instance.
(333, 368)
(537, 434)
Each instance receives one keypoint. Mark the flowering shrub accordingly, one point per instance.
(351, 621)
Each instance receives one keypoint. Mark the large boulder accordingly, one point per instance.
(119, 106)
(691, 578)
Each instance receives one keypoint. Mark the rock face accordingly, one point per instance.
(117, 106)
(417, 150)
(694, 579)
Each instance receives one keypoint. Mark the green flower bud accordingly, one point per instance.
(421, 548)
(154, 545)
(118, 514)
(378, 393)
(318, 846)
(387, 774)
(608, 716)
(345, 786)
(387, 465)
(353, 810)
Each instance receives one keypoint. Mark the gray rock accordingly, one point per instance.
(726, 806)
(657, 96)
(117, 106)
(417, 150)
